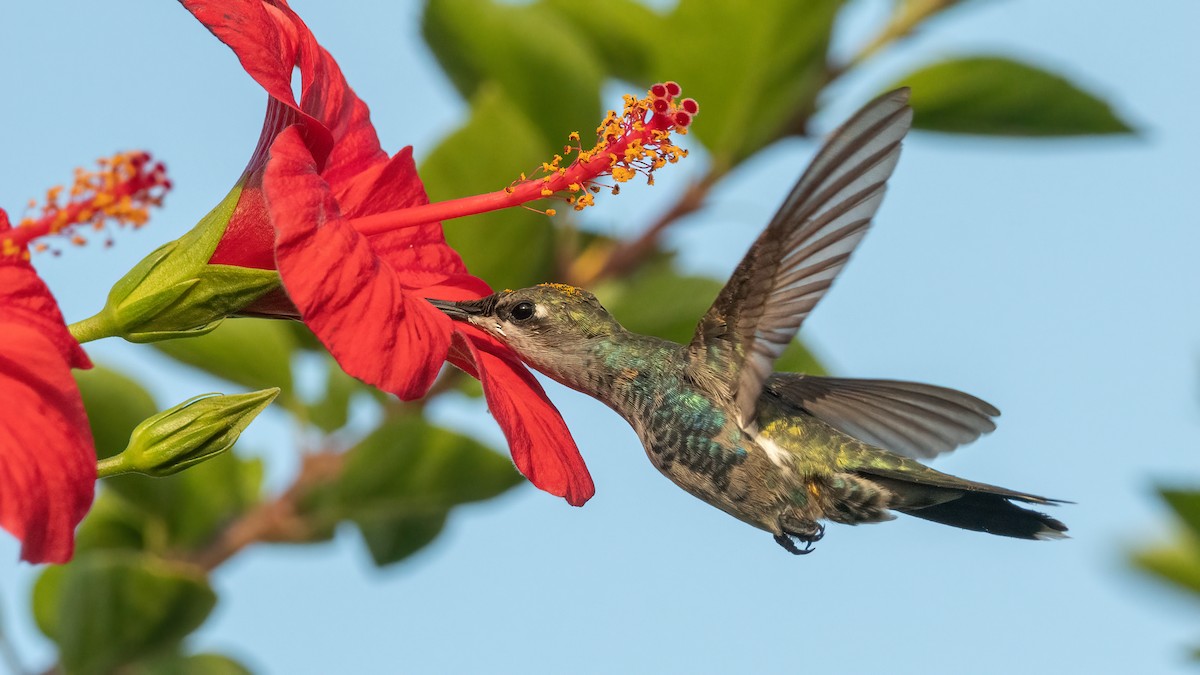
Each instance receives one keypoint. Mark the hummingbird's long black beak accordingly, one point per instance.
(463, 310)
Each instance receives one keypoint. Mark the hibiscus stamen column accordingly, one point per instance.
(122, 190)
(636, 142)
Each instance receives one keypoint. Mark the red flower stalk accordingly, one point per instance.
(359, 248)
(47, 457)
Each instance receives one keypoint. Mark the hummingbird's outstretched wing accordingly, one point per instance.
(911, 419)
(793, 262)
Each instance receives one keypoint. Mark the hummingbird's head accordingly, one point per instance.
(545, 325)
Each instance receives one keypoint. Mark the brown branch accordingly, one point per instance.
(279, 520)
(626, 256)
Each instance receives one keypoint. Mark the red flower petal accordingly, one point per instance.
(47, 457)
(359, 306)
(541, 444)
(271, 41)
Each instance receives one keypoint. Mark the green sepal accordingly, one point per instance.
(174, 292)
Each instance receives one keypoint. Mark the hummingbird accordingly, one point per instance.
(780, 451)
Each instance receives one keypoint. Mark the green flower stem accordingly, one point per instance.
(111, 466)
(91, 328)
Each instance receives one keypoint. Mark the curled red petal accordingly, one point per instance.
(541, 444)
(47, 457)
(270, 40)
(361, 308)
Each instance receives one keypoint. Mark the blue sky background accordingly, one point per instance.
(1056, 279)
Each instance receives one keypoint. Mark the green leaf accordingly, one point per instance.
(658, 300)
(189, 507)
(512, 248)
(333, 411)
(623, 35)
(191, 664)
(108, 608)
(408, 464)
(115, 404)
(115, 523)
(392, 539)
(797, 359)
(1186, 504)
(754, 67)
(537, 58)
(255, 353)
(400, 483)
(998, 96)
(1178, 563)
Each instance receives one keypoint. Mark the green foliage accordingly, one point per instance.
(1177, 562)
(511, 248)
(531, 54)
(658, 300)
(756, 68)
(255, 353)
(113, 607)
(623, 38)
(997, 96)
(400, 482)
(115, 404)
(185, 510)
(192, 664)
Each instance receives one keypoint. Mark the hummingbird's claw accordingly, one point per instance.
(789, 545)
(788, 540)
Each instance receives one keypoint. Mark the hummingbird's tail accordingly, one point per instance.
(945, 499)
(994, 514)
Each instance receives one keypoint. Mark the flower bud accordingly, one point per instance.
(196, 430)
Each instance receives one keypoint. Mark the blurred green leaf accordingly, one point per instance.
(1178, 563)
(409, 464)
(755, 68)
(115, 404)
(400, 482)
(537, 58)
(255, 353)
(623, 34)
(190, 506)
(998, 96)
(187, 664)
(1186, 504)
(112, 607)
(512, 248)
(115, 523)
(797, 359)
(333, 410)
(658, 300)
(392, 539)
(302, 337)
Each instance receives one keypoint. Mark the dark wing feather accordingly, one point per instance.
(794, 261)
(915, 420)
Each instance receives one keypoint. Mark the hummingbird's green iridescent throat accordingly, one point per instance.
(781, 451)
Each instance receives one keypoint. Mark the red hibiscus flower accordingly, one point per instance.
(47, 457)
(359, 248)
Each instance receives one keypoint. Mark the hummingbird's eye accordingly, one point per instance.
(522, 311)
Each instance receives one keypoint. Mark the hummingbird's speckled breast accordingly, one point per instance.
(688, 437)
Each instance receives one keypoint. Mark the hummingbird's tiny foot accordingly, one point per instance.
(818, 536)
(789, 545)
